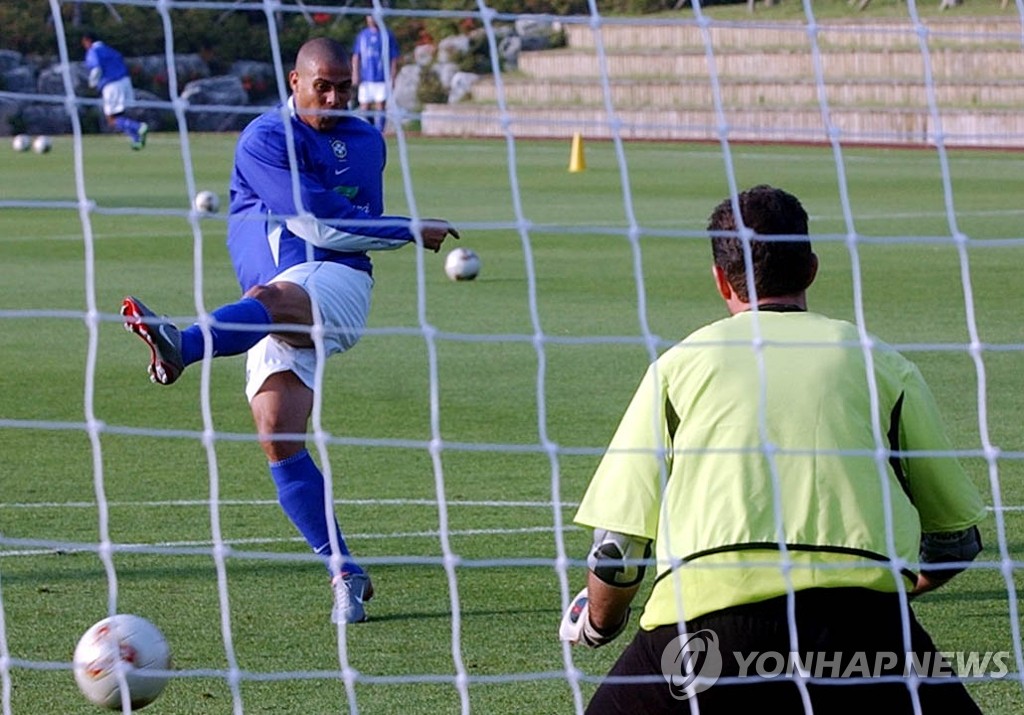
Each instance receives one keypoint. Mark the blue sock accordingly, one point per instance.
(300, 491)
(127, 126)
(228, 341)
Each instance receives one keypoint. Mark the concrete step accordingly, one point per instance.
(978, 128)
(660, 80)
(617, 34)
(945, 64)
(627, 94)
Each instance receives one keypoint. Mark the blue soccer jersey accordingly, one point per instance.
(109, 62)
(340, 186)
(369, 46)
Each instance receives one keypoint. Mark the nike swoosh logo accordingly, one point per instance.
(162, 329)
(339, 172)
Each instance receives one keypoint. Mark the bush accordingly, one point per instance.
(430, 89)
(478, 59)
(226, 36)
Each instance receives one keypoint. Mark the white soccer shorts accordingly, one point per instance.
(373, 92)
(117, 96)
(342, 295)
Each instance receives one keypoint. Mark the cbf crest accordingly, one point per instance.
(340, 149)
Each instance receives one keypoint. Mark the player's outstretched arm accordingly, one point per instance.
(434, 231)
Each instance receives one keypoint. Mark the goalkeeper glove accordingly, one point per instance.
(577, 629)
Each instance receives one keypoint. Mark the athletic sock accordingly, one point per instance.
(228, 341)
(127, 126)
(300, 491)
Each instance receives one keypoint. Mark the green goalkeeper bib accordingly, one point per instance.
(740, 460)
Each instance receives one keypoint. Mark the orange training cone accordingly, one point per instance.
(576, 160)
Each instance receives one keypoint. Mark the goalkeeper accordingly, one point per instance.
(291, 260)
(749, 455)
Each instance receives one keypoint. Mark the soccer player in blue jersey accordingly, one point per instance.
(369, 72)
(109, 74)
(288, 259)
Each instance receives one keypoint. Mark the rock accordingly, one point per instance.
(461, 86)
(224, 90)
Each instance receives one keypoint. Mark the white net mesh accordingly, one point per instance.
(458, 485)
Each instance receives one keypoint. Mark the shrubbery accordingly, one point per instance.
(430, 90)
(226, 36)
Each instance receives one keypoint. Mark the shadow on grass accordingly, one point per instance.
(466, 613)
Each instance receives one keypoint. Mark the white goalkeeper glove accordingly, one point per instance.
(577, 629)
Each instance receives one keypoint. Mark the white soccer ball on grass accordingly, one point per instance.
(42, 144)
(22, 142)
(207, 202)
(462, 264)
(127, 645)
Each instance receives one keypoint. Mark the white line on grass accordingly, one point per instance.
(273, 502)
(429, 534)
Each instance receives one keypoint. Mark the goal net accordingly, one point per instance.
(579, 150)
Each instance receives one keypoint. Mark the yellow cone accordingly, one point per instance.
(576, 160)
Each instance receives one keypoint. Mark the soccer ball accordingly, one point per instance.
(124, 644)
(22, 142)
(207, 202)
(42, 144)
(462, 264)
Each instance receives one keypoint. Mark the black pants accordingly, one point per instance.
(844, 621)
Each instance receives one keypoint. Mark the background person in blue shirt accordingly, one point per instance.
(108, 74)
(287, 259)
(368, 70)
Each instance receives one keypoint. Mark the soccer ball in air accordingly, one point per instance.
(22, 142)
(42, 144)
(207, 202)
(127, 644)
(462, 264)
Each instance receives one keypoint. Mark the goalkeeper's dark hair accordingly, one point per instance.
(782, 266)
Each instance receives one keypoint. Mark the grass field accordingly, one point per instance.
(534, 363)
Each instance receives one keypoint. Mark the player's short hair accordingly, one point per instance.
(782, 266)
(322, 49)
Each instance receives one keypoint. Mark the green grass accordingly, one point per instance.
(494, 414)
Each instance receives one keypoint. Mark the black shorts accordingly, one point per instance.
(847, 623)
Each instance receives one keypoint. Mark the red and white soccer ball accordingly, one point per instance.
(123, 644)
(462, 264)
(207, 202)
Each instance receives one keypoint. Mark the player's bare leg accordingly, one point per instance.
(281, 411)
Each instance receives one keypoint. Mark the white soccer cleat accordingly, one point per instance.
(139, 140)
(351, 590)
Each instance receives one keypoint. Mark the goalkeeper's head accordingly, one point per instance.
(784, 265)
(321, 83)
